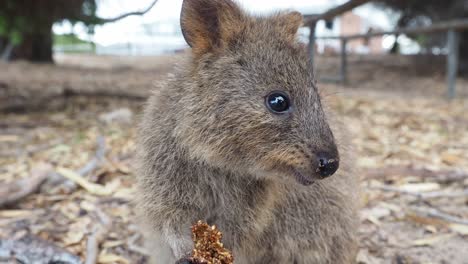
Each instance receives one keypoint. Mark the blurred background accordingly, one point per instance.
(75, 74)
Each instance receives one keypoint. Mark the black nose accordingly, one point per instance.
(327, 164)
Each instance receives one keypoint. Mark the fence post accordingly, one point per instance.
(344, 61)
(452, 61)
(312, 43)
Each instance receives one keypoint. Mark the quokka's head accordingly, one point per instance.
(250, 104)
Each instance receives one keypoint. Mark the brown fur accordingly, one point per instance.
(210, 150)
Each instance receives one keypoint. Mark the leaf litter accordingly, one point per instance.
(411, 149)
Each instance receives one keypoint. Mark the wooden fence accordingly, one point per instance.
(452, 29)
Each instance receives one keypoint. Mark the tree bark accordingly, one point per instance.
(3, 42)
(463, 67)
(35, 46)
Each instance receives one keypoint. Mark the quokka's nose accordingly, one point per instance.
(327, 164)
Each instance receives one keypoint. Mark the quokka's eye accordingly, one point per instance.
(277, 102)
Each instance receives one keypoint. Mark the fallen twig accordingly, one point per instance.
(33, 149)
(425, 195)
(21, 104)
(30, 150)
(134, 247)
(442, 176)
(92, 247)
(98, 158)
(18, 190)
(91, 187)
(97, 235)
(76, 177)
(434, 213)
(31, 249)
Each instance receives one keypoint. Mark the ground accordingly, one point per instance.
(60, 123)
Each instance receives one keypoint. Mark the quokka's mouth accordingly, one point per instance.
(302, 179)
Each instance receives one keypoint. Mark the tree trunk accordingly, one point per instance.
(395, 49)
(3, 43)
(35, 46)
(463, 67)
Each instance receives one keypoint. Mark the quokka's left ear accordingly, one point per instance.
(289, 23)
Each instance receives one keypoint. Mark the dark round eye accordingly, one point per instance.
(277, 102)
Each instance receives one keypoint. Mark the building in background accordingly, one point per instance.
(161, 37)
(349, 23)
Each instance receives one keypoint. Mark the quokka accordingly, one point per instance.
(238, 137)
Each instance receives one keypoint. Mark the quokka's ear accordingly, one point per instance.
(289, 23)
(208, 25)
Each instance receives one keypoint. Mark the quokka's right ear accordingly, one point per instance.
(209, 25)
(289, 23)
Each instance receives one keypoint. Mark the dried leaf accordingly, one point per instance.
(451, 159)
(429, 221)
(459, 228)
(374, 214)
(9, 138)
(14, 213)
(111, 244)
(420, 187)
(73, 238)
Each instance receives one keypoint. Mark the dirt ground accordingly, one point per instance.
(76, 138)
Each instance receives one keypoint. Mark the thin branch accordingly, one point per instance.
(333, 12)
(32, 249)
(18, 190)
(442, 176)
(90, 166)
(20, 105)
(434, 213)
(425, 195)
(14, 192)
(41, 147)
(31, 149)
(98, 158)
(92, 247)
(455, 24)
(132, 245)
(99, 231)
(135, 13)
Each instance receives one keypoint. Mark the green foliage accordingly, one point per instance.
(69, 39)
(89, 8)
(420, 12)
(20, 18)
(3, 26)
(422, 39)
(435, 10)
(12, 27)
(28, 24)
(15, 37)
